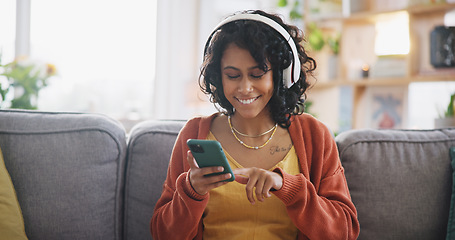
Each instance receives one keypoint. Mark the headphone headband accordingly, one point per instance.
(290, 74)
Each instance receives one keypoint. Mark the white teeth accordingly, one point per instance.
(247, 101)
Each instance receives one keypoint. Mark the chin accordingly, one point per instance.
(249, 114)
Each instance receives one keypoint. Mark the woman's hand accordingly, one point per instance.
(201, 183)
(258, 180)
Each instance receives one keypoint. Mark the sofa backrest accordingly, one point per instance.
(76, 179)
(68, 172)
(149, 149)
(399, 180)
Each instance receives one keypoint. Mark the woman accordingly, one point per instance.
(289, 180)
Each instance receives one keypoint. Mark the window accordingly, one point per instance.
(104, 52)
(392, 34)
(8, 26)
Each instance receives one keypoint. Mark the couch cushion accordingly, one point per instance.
(11, 221)
(400, 181)
(149, 152)
(451, 222)
(68, 172)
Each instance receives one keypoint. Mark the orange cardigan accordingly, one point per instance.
(317, 199)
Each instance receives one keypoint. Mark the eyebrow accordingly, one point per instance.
(251, 68)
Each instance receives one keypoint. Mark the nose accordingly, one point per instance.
(245, 86)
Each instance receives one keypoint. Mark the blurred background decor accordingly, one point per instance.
(21, 81)
(149, 72)
(447, 118)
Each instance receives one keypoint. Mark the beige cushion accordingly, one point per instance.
(11, 221)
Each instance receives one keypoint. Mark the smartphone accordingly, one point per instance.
(208, 153)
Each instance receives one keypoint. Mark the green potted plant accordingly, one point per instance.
(22, 81)
(316, 39)
(447, 119)
(295, 11)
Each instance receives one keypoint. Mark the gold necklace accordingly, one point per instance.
(253, 136)
(248, 146)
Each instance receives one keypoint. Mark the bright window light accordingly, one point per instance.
(392, 34)
(8, 30)
(104, 52)
(7, 37)
(449, 18)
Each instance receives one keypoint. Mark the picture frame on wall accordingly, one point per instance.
(386, 107)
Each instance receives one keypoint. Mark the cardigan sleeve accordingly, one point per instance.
(318, 199)
(178, 212)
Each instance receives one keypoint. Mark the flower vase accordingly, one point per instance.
(23, 99)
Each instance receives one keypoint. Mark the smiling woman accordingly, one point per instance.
(286, 166)
(104, 50)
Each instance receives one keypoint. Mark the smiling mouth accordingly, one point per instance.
(247, 101)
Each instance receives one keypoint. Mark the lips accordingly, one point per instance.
(248, 100)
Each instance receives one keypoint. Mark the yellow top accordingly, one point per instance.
(229, 214)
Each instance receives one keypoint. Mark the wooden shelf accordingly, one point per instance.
(357, 47)
(371, 16)
(320, 85)
(430, 8)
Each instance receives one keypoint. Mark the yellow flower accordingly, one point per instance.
(51, 70)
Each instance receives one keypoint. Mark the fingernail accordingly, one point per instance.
(220, 169)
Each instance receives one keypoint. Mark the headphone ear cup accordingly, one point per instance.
(287, 77)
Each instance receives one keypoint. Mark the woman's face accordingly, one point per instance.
(246, 86)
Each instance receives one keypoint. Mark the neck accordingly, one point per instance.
(252, 126)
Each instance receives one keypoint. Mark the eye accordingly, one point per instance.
(258, 74)
(231, 73)
(233, 76)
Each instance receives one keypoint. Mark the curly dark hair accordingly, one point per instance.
(264, 44)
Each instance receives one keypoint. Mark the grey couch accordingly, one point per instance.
(78, 176)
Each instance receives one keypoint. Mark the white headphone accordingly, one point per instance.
(292, 73)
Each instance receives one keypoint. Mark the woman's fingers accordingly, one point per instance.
(191, 161)
(247, 177)
(241, 179)
(267, 187)
(252, 181)
(258, 182)
(202, 179)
